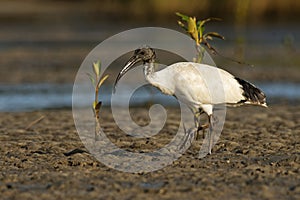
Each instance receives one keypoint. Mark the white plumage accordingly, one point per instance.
(199, 86)
(191, 83)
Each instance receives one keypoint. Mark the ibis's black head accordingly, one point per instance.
(144, 54)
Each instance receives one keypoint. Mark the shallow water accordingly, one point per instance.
(28, 97)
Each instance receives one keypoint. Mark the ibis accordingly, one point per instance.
(187, 81)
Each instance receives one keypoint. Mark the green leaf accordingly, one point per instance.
(203, 29)
(98, 106)
(214, 34)
(182, 25)
(94, 105)
(209, 19)
(200, 29)
(97, 68)
(183, 17)
(198, 24)
(101, 81)
(208, 37)
(212, 49)
(192, 29)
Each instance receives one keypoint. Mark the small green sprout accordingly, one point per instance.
(97, 81)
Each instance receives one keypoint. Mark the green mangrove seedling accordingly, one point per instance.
(196, 30)
(97, 81)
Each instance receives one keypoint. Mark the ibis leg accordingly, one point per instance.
(210, 133)
(203, 128)
(198, 124)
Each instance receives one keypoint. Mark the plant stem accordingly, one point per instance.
(97, 109)
(200, 53)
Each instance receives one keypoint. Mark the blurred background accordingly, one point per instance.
(43, 43)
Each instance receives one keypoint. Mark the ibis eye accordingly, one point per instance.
(142, 53)
(136, 51)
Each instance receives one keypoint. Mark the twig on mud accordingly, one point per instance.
(35, 122)
(75, 151)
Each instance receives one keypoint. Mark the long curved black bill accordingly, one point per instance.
(129, 65)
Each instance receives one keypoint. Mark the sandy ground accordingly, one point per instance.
(257, 157)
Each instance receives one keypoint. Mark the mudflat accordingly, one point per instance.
(256, 157)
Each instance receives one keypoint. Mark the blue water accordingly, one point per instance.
(28, 97)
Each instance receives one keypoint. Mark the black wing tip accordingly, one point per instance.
(252, 94)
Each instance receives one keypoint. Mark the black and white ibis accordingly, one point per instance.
(187, 81)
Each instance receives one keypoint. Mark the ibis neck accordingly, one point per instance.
(157, 79)
(149, 69)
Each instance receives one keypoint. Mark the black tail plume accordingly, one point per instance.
(251, 93)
